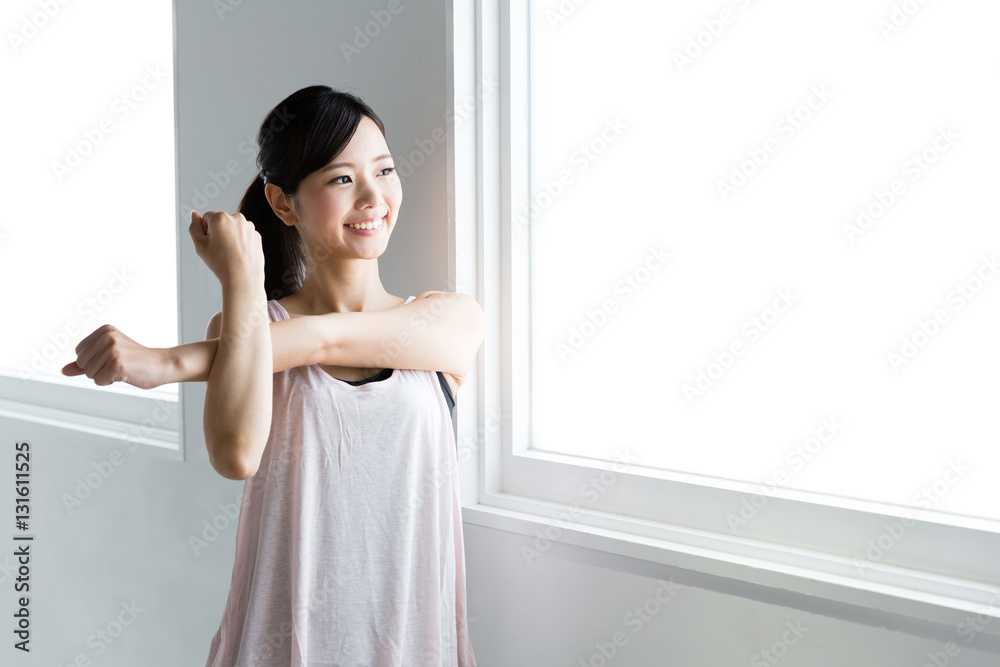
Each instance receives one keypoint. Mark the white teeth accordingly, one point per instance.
(365, 225)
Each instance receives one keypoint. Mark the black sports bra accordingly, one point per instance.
(386, 372)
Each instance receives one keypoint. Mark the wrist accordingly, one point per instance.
(243, 285)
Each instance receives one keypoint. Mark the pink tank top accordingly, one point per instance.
(349, 547)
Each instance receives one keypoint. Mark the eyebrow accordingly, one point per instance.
(351, 164)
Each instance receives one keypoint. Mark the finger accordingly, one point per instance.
(91, 359)
(71, 369)
(198, 228)
(94, 335)
(100, 369)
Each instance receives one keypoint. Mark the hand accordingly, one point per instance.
(107, 355)
(229, 245)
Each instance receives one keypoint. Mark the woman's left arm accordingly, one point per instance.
(437, 331)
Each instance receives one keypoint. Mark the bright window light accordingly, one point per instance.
(764, 245)
(89, 232)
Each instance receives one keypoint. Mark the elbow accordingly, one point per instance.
(230, 461)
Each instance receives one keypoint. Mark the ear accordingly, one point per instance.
(281, 204)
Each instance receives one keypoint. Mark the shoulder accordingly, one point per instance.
(460, 302)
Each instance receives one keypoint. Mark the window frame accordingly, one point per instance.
(798, 545)
(153, 418)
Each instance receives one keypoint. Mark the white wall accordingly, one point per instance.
(130, 540)
(557, 609)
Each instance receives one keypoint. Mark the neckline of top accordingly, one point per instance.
(337, 381)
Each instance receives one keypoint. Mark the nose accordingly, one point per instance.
(369, 195)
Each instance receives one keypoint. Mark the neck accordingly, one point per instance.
(343, 286)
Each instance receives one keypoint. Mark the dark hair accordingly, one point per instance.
(303, 133)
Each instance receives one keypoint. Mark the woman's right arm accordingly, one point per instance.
(237, 415)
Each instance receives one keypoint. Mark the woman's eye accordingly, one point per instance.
(337, 179)
(387, 171)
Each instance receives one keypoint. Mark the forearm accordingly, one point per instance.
(237, 416)
(422, 335)
(293, 343)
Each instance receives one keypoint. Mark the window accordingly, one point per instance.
(90, 235)
(743, 299)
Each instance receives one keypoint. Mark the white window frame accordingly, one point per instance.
(798, 545)
(151, 418)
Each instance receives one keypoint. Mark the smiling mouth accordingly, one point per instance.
(376, 224)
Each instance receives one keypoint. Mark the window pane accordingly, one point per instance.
(764, 242)
(89, 233)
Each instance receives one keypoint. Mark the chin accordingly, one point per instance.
(373, 255)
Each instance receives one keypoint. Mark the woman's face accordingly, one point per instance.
(359, 188)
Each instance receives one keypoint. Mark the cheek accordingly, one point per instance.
(331, 205)
(393, 194)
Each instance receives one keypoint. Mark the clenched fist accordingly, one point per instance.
(107, 355)
(229, 245)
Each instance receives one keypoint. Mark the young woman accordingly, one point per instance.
(332, 399)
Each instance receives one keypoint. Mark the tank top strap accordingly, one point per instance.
(275, 311)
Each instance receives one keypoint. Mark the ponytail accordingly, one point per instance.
(284, 255)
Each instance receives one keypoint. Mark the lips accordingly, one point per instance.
(368, 224)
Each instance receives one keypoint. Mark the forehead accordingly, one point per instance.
(367, 137)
